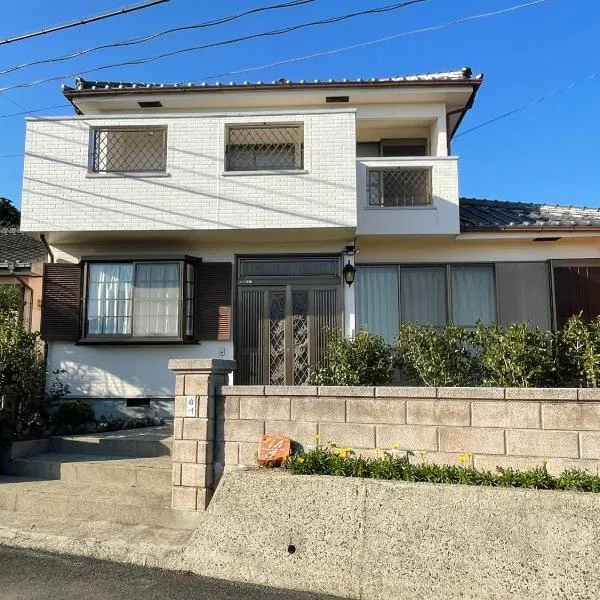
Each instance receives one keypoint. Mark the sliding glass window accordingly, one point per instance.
(387, 296)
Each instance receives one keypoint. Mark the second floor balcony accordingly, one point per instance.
(407, 195)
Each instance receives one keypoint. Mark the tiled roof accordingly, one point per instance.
(462, 75)
(505, 216)
(17, 247)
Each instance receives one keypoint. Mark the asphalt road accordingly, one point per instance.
(33, 575)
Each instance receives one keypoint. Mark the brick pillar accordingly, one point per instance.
(197, 384)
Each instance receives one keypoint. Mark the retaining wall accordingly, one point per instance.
(380, 540)
(218, 427)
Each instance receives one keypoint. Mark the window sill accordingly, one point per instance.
(265, 172)
(126, 175)
(400, 208)
(130, 341)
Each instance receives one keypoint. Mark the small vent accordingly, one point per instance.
(337, 99)
(137, 402)
(150, 104)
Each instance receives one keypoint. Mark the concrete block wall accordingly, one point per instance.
(517, 428)
(195, 192)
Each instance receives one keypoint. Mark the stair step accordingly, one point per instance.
(84, 501)
(147, 545)
(135, 443)
(148, 473)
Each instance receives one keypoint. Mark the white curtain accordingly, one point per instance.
(377, 300)
(110, 289)
(423, 295)
(156, 299)
(473, 295)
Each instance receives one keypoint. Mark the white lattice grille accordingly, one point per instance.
(260, 148)
(399, 187)
(129, 150)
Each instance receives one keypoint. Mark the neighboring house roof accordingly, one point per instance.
(497, 215)
(464, 75)
(19, 248)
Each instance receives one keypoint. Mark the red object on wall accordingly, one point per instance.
(273, 450)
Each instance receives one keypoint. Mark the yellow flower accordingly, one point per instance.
(349, 451)
(300, 460)
(316, 437)
(341, 453)
(465, 457)
(396, 446)
(377, 450)
(331, 443)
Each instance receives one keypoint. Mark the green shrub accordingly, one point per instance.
(363, 360)
(75, 412)
(396, 466)
(437, 357)
(515, 356)
(578, 353)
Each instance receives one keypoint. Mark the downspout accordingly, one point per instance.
(48, 249)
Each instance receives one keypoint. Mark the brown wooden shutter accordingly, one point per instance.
(213, 301)
(61, 301)
(576, 289)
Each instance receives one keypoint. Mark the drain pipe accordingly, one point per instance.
(48, 249)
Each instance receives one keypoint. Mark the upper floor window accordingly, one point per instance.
(140, 299)
(264, 147)
(395, 147)
(129, 149)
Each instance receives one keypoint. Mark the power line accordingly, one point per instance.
(529, 104)
(379, 40)
(271, 33)
(82, 21)
(147, 38)
(333, 51)
(34, 110)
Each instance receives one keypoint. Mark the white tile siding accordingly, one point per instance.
(60, 195)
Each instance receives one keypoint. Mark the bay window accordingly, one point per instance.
(388, 296)
(140, 300)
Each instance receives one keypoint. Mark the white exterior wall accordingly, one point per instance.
(125, 371)
(59, 193)
(442, 217)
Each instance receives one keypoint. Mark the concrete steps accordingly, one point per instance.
(85, 501)
(115, 444)
(120, 478)
(145, 473)
(146, 545)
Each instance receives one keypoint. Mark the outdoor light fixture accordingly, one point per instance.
(349, 273)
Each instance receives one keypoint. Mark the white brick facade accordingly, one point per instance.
(59, 193)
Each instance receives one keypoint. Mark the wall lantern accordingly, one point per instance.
(349, 273)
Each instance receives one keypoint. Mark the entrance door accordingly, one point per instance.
(282, 331)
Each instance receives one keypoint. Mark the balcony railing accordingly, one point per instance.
(394, 186)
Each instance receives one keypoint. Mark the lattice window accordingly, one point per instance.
(129, 150)
(399, 187)
(264, 148)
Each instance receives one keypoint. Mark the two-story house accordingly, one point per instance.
(230, 219)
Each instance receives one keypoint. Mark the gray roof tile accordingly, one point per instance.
(500, 215)
(16, 246)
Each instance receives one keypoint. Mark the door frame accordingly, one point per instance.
(285, 283)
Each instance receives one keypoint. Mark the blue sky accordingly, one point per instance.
(547, 153)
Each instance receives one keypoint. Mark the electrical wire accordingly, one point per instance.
(274, 32)
(148, 38)
(530, 104)
(81, 21)
(378, 40)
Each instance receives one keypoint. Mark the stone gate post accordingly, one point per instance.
(197, 384)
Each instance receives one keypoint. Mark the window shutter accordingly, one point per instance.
(61, 301)
(213, 301)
